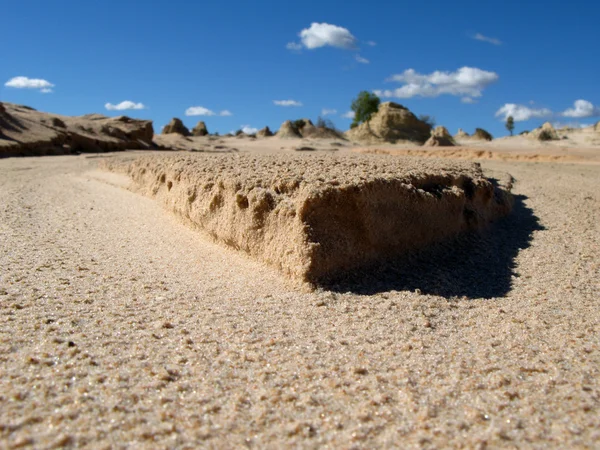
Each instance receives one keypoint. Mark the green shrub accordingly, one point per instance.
(298, 124)
(429, 120)
(364, 106)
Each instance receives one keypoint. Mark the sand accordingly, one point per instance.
(121, 326)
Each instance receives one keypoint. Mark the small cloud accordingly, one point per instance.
(287, 103)
(465, 82)
(247, 129)
(202, 111)
(361, 60)
(293, 46)
(30, 83)
(582, 109)
(468, 100)
(348, 115)
(522, 113)
(199, 111)
(371, 43)
(324, 34)
(124, 106)
(481, 37)
(327, 112)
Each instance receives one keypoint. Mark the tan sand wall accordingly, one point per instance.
(314, 217)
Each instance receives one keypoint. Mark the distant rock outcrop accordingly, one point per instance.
(176, 126)
(288, 130)
(27, 132)
(200, 129)
(482, 135)
(597, 126)
(461, 134)
(544, 133)
(391, 123)
(265, 132)
(440, 138)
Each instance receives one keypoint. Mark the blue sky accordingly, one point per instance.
(467, 63)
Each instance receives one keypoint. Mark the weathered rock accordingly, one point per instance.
(544, 133)
(176, 126)
(27, 132)
(440, 138)
(391, 123)
(482, 135)
(200, 129)
(288, 130)
(265, 132)
(461, 134)
(597, 126)
(314, 224)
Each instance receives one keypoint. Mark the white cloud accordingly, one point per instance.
(468, 100)
(202, 111)
(46, 91)
(293, 46)
(323, 34)
(522, 113)
(30, 83)
(199, 111)
(481, 37)
(371, 43)
(287, 103)
(247, 129)
(327, 112)
(361, 60)
(466, 81)
(348, 115)
(124, 105)
(582, 108)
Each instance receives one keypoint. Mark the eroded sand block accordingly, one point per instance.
(314, 217)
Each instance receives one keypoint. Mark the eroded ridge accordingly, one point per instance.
(315, 217)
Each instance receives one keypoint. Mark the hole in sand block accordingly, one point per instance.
(242, 201)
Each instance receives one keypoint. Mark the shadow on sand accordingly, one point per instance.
(474, 265)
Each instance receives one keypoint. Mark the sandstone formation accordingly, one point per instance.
(544, 133)
(440, 138)
(314, 224)
(304, 128)
(27, 132)
(176, 126)
(482, 135)
(461, 134)
(265, 132)
(200, 129)
(597, 126)
(391, 123)
(288, 130)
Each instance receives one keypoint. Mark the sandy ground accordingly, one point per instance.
(122, 327)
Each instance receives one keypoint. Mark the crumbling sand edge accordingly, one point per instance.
(314, 218)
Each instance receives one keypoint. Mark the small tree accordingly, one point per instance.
(510, 124)
(429, 120)
(364, 106)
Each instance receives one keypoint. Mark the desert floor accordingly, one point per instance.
(121, 326)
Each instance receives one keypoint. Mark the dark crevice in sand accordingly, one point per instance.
(473, 265)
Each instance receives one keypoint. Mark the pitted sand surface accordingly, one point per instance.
(121, 327)
(317, 216)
